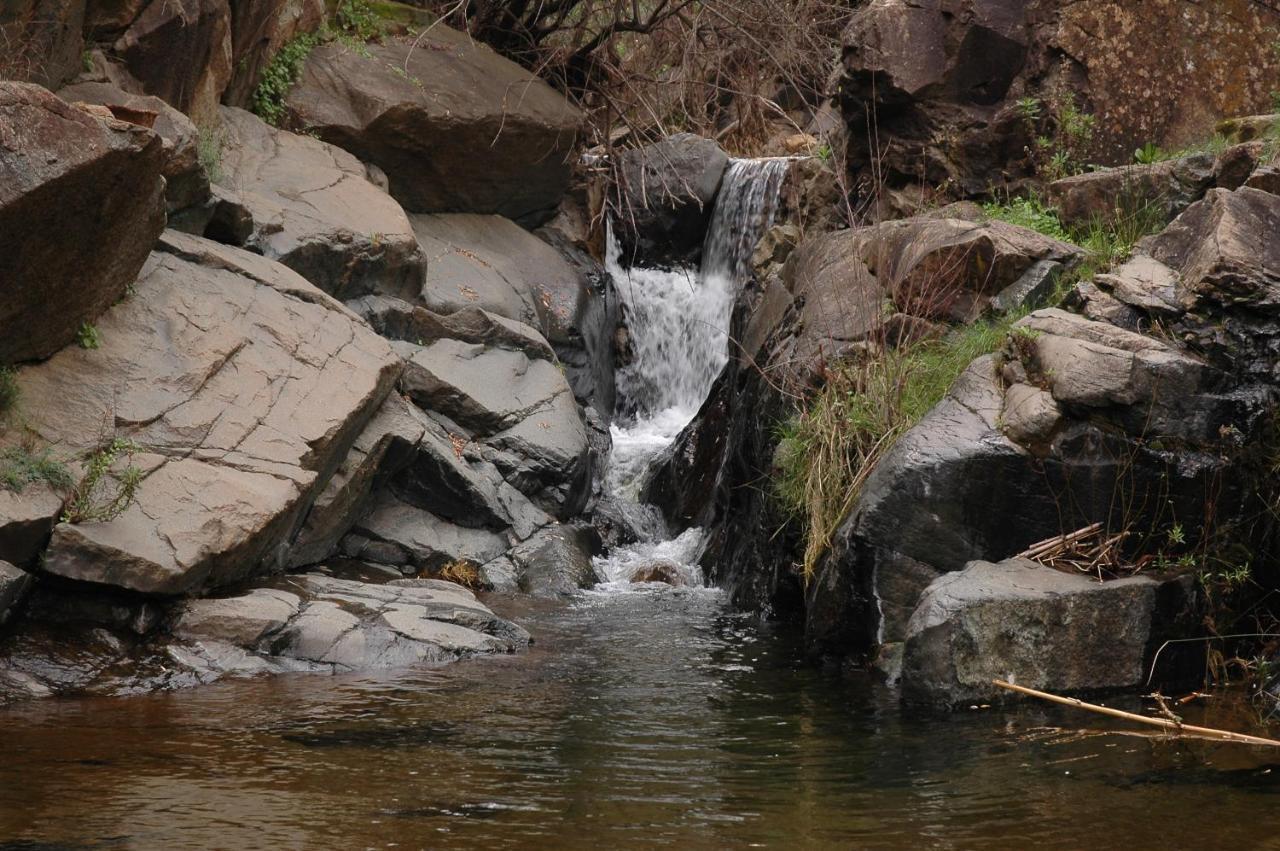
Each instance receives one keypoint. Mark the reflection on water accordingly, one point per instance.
(644, 718)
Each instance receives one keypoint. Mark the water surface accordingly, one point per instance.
(646, 719)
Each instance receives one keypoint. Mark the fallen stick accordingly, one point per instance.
(1202, 732)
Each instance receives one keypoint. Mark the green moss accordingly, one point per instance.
(87, 337)
(20, 467)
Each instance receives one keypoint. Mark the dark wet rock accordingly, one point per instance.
(311, 206)
(242, 410)
(1031, 625)
(555, 562)
(456, 127)
(315, 622)
(186, 182)
(81, 204)
(14, 585)
(1165, 188)
(665, 194)
(26, 521)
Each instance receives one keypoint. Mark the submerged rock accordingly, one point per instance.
(81, 204)
(1034, 626)
(456, 127)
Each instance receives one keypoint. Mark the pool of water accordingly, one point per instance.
(650, 718)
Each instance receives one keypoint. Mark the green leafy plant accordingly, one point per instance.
(87, 337)
(20, 467)
(1031, 213)
(358, 19)
(280, 75)
(103, 493)
(1030, 109)
(1148, 154)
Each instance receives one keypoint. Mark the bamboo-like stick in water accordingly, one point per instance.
(1172, 726)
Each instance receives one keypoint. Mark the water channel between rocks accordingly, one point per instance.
(643, 714)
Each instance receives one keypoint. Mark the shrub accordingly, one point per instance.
(280, 75)
(828, 450)
(20, 467)
(359, 20)
(209, 144)
(102, 494)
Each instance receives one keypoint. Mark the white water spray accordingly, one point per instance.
(678, 322)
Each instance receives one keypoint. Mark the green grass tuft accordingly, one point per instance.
(19, 468)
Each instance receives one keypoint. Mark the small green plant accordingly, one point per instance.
(86, 61)
(1030, 109)
(209, 144)
(87, 337)
(280, 75)
(1031, 213)
(1148, 154)
(102, 494)
(824, 152)
(20, 467)
(359, 20)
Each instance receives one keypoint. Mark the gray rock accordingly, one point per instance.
(14, 585)
(1169, 187)
(555, 562)
(315, 622)
(312, 207)
(385, 446)
(81, 204)
(44, 40)
(397, 319)
(666, 192)
(242, 408)
(1030, 414)
(1030, 625)
(422, 539)
(456, 127)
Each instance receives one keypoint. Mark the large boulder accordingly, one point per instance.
(321, 623)
(666, 192)
(456, 127)
(242, 387)
(1160, 190)
(938, 92)
(81, 204)
(186, 181)
(312, 207)
(1024, 623)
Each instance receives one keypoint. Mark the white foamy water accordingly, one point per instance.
(678, 324)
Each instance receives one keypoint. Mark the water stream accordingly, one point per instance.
(644, 715)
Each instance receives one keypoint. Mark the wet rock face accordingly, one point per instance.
(425, 126)
(1024, 623)
(242, 410)
(81, 203)
(14, 585)
(939, 82)
(311, 206)
(666, 192)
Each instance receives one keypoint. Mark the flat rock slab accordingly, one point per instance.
(1027, 624)
(81, 204)
(316, 622)
(313, 208)
(456, 127)
(243, 385)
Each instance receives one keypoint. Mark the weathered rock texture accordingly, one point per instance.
(242, 385)
(939, 82)
(1031, 625)
(41, 40)
(311, 206)
(460, 130)
(81, 203)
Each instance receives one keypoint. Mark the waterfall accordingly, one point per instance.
(678, 324)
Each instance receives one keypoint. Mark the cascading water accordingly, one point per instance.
(678, 323)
